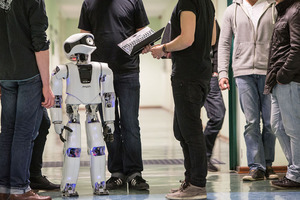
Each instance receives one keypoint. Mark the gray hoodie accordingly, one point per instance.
(251, 48)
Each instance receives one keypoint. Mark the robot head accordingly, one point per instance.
(80, 43)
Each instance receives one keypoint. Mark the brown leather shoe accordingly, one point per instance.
(4, 196)
(28, 196)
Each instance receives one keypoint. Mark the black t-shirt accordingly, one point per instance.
(194, 63)
(111, 22)
(23, 25)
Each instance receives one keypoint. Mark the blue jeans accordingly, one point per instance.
(39, 145)
(125, 153)
(286, 125)
(215, 109)
(189, 98)
(255, 105)
(20, 119)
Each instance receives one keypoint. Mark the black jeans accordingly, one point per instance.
(189, 97)
(215, 110)
(38, 148)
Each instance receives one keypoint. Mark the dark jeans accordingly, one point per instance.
(125, 153)
(20, 119)
(39, 145)
(189, 97)
(215, 110)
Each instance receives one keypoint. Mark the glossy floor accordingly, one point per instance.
(163, 167)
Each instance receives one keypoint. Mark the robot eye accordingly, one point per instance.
(90, 41)
(67, 47)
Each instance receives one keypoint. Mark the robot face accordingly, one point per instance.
(81, 43)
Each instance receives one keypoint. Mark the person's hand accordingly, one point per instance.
(157, 52)
(48, 96)
(146, 49)
(224, 84)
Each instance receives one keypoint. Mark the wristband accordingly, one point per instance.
(164, 48)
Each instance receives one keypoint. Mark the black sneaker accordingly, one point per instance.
(211, 167)
(285, 183)
(270, 174)
(255, 175)
(114, 183)
(138, 183)
(42, 183)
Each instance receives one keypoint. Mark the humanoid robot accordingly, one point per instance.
(87, 83)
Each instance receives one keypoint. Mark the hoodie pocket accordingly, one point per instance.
(243, 54)
(262, 54)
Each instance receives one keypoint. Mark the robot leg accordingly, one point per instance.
(96, 150)
(72, 150)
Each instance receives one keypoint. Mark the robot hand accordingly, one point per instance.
(108, 131)
(59, 127)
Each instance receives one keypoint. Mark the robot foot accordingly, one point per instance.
(69, 193)
(101, 192)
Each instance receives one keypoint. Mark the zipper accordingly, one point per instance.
(254, 32)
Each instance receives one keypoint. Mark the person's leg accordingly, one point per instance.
(115, 152)
(215, 110)
(8, 103)
(38, 148)
(189, 98)
(37, 180)
(129, 98)
(287, 96)
(28, 113)
(127, 88)
(250, 105)
(268, 137)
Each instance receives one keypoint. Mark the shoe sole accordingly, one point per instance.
(143, 188)
(195, 197)
(272, 177)
(252, 179)
(283, 188)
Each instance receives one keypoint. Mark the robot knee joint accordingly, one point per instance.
(98, 151)
(73, 152)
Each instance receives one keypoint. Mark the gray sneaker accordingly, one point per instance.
(254, 175)
(182, 186)
(188, 192)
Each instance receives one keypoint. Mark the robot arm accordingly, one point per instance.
(108, 102)
(59, 73)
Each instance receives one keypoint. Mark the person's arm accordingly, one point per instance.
(183, 41)
(214, 34)
(224, 47)
(84, 31)
(38, 21)
(291, 66)
(42, 59)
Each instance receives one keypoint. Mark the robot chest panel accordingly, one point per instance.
(83, 84)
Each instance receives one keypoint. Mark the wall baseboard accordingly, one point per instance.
(245, 170)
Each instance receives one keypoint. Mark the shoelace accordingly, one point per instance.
(183, 185)
(137, 180)
(118, 181)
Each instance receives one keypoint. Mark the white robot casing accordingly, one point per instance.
(87, 83)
